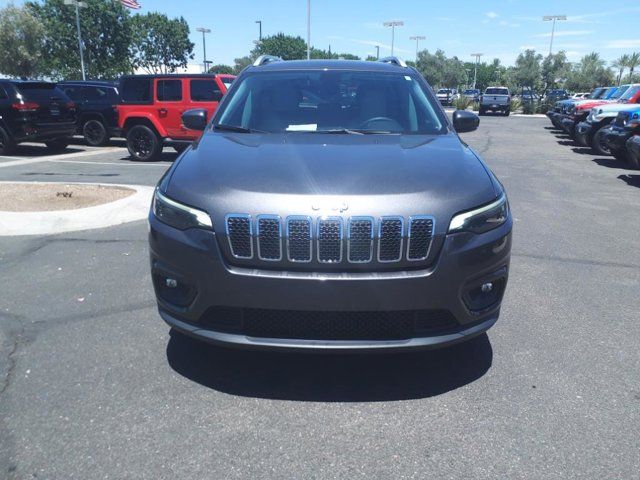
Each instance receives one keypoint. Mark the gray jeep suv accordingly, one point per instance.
(330, 205)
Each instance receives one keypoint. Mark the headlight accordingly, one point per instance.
(178, 215)
(482, 219)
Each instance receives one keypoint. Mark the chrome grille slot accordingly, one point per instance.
(239, 233)
(390, 231)
(360, 239)
(419, 237)
(269, 233)
(299, 239)
(329, 239)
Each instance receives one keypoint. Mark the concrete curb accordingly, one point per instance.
(129, 209)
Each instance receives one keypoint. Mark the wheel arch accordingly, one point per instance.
(144, 119)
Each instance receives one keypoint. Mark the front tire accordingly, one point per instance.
(57, 145)
(507, 112)
(597, 142)
(620, 154)
(143, 143)
(95, 133)
(7, 145)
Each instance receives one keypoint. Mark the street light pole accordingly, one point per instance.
(308, 29)
(259, 22)
(377, 52)
(204, 46)
(417, 38)
(393, 24)
(553, 18)
(475, 68)
(79, 5)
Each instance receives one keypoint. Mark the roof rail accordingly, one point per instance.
(394, 60)
(264, 59)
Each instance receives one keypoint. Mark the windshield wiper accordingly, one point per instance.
(354, 131)
(235, 128)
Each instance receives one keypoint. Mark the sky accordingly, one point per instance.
(497, 28)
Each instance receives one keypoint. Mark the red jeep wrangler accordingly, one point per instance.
(151, 107)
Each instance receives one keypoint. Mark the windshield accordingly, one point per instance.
(444, 90)
(619, 91)
(630, 92)
(496, 91)
(326, 101)
(471, 92)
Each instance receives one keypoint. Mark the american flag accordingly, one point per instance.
(131, 4)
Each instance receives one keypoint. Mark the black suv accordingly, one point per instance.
(97, 104)
(35, 112)
(330, 204)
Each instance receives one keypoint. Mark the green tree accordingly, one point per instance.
(589, 73)
(528, 73)
(431, 66)
(555, 69)
(21, 42)
(284, 46)
(106, 33)
(242, 63)
(634, 61)
(221, 68)
(488, 74)
(160, 44)
(621, 64)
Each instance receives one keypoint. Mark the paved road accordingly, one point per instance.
(94, 386)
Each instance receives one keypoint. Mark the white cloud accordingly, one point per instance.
(504, 23)
(492, 15)
(628, 43)
(565, 33)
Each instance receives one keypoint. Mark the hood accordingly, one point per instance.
(312, 174)
(617, 107)
(586, 105)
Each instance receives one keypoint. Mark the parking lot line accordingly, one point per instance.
(149, 164)
(48, 158)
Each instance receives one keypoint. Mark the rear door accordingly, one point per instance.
(205, 93)
(170, 104)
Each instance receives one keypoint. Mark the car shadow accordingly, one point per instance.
(583, 151)
(566, 143)
(165, 156)
(40, 151)
(330, 377)
(632, 180)
(612, 163)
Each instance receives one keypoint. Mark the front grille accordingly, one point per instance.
(390, 239)
(269, 234)
(299, 239)
(315, 325)
(420, 236)
(239, 233)
(621, 119)
(330, 240)
(360, 239)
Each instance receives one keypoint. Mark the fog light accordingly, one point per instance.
(173, 283)
(486, 287)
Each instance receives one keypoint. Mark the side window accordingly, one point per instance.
(3, 94)
(73, 93)
(90, 94)
(136, 90)
(169, 90)
(205, 91)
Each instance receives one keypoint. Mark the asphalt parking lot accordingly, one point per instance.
(92, 384)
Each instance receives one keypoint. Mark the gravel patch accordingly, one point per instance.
(38, 197)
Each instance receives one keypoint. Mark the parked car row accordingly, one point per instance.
(144, 109)
(608, 121)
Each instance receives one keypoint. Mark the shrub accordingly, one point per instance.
(462, 103)
(515, 104)
(528, 108)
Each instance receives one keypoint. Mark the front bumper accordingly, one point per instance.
(28, 130)
(583, 133)
(195, 260)
(568, 124)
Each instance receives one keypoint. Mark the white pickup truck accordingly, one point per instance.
(495, 99)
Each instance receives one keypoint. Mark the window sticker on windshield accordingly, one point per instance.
(407, 77)
(308, 127)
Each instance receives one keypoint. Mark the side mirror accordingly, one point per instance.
(464, 121)
(195, 119)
